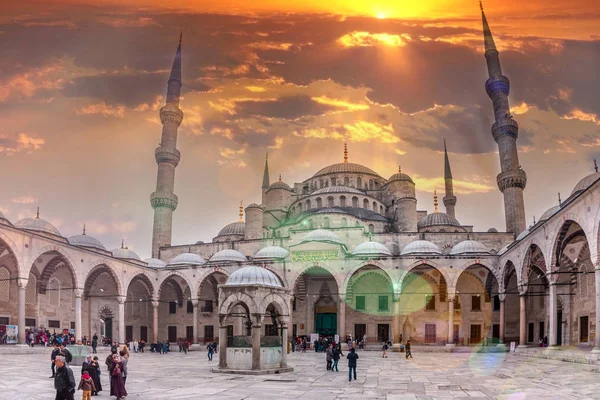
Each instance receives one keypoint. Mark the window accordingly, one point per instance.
(319, 202)
(333, 181)
(308, 204)
(359, 182)
(443, 289)
(381, 210)
(360, 302)
(346, 181)
(53, 323)
(321, 185)
(383, 303)
(72, 325)
(371, 228)
(355, 202)
(3, 320)
(530, 328)
(430, 302)
(366, 204)
(430, 334)
(374, 207)
(330, 201)
(209, 332)
(371, 184)
(294, 304)
(475, 334)
(457, 303)
(583, 329)
(190, 307)
(476, 303)
(270, 330)
(496, 303)
(342, 201)
(172, 307)
(4, 284)
(208, 306)
(30, 322)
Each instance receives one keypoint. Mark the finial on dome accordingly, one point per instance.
(435, 200)
(122, 243)
(595, 165)
(180, 36)
(37, 214)
(399, 169)
(481, 5)
(241, 212)
(83, 229)
(534, 219)
(559, 200)
(345, 152)
(279, 177)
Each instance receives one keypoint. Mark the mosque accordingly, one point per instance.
(349, 249)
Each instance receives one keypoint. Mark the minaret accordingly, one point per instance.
(266, 181)
(163, 200)
(449, 198)
(512, 179)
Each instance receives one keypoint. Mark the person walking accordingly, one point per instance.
(210, 350)
(86, 385)
(125, 361)
(117, 386)
(336, 357)
(407, 350)
(66, 353)
(352, 357)
(384, 348)
(64, 381)
(329, 356)
(55, 352)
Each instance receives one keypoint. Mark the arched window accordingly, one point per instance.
(325, 222)
(31, 290)
(346, 181)
(4, 284)
(319, 202)
(326, 183)
(381, 210)
(308, 205)
(371, 184)
(344, 222)
(299, 207)
(342, 201)
(293, 210)
(330, 201)
(583, 282)
(321, 185)
(355, 202)
(366, 204)
(371, 228)
(333, 181)
(53, 290)
(359, 183)
(374, 207)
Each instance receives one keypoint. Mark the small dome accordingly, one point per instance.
(228, 255)
(469, 247)
(372, 249)
(272, 252)
(321, 235)
(253, 275)
(280, 185)
(235, 228)
(125, 253)
(86, 241)
(550, 212)
(38, 225)
(345, 168)
(420, 247)
(337, 189)
(523, 234)
(199, 242)
(187, 259)
(155, 263)
(438, 219)
(492, 230)
(400, 176)
(585, 183)
(253, 205)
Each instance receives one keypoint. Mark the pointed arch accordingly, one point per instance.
(6, 243)
(58, 260)
(369, 263)
(143, 279)
(95, 272)
(238, 298)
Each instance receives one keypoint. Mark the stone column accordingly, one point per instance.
(78, 325)
(223, 346)
(290, 324)
(21, 284)
(195, 338)
(552, 308)
(341, 318)
(396, 321)
(450, 322)
(284, 334)
(522, 321)
(502, 319)
(596, 349)
(155, 320)
(256, 346)
(121, 300)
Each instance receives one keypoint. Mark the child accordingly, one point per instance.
(86, 384)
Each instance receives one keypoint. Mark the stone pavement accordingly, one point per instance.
(427, 376)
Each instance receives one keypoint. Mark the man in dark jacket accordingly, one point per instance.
(53, 355)
(407, 350)
(352, 357)
(66, 353)
(64, 382)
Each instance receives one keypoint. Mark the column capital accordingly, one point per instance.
(256, 326)
(502, 297)
(195, 303)
(22, 283)
(155, 303)
(78, 292)
(121, 299)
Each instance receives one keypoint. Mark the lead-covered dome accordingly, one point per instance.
(322, 235)
(125, 253)
(438, 219)
(371, 249)
(155, 263)
(235, 228)
(38, 225)
(187, 259)
(253, 275)
(523, 234)
(272, 252)
(337, 189)
(228, 255)
(469, 247)
(280, 185)
(85, 240)
(420, 247)
(400, 176)
(585, 183)
(549, 213)
(346, 167)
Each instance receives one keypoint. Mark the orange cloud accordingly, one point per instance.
(103, 109)
(364, 39)
(460, 186)
(341, 103)
(582, 116)
(24, 200)
(360, 131)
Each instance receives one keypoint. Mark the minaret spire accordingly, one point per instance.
(449, 198)
(512, 179)
(163, 200)
(266, 182)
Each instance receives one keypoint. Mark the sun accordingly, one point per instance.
(381, 15)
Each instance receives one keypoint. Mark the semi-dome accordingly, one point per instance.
(235, 228)
(371, 249)
(253, 275)
(125, 253)
(337, 189)
(321, 235)
(272, 252)
(549, 213)
(420, 247)
(469, 247)
(438, 219)
(38, 225)
(523, 234)
(228, 255)
(187, 259)
(155, 263)
(84, 240)
(345, 167)
(585, 183)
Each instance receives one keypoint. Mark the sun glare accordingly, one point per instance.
(381, 15)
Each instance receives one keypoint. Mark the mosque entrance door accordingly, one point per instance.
(326, 323)
(559, 328)
(108, 323)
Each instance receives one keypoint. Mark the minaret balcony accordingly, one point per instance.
(497, 84)
(169, 155)
(171, 114)
(512, 178)
(505, 126)
(164, 200)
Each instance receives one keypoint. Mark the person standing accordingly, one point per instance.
(124, 360)
(66, 353)
(94, 343)
(407, 350)
(352, 357)
(64, 381)
(384, 348)
(210, 350)
(86, 384)
(117, 386)
(93, 370)
(135, 346)
(55, 352)
(336, 357)
(329, 356)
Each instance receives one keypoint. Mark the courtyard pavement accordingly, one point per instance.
(427, 376)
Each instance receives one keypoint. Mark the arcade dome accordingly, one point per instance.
(322, 235)
(253, 275)
(187, 259)
(125, 253)
(420, 247)
(585, 183)
(155, 263)
(371, 249)
(84, 240)
(469, 247)
(228, 255)
(38, 225)
(272, 252)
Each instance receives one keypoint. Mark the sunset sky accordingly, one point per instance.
(81, 85)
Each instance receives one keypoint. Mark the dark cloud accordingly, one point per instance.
(289, 107)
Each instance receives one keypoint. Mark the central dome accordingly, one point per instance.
(235, 228)
(346, 167)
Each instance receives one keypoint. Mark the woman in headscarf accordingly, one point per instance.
(117, 386)
(86, 363)
(92, 368)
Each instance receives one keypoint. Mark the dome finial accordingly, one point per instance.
(534, 219)
(241, 212)
(559, 199)
(481, 5)
(345, 153)
(399, 169)
(279, 177)
(595, 165)
(435, 200)
(83, 229)
(123, 243)
(37, 214)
